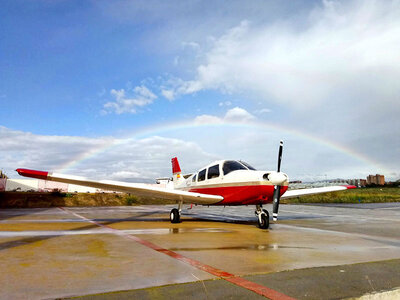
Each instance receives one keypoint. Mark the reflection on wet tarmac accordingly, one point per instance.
(106, 231)
(72, 256)
(258, 247)
(184, 230)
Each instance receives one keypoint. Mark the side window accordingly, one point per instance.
(202, 175)
(194, 178)
(213, 172)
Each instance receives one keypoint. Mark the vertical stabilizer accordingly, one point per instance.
(176, 172)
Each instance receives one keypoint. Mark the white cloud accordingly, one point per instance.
(331, 71)
(169, 94)
(236, 115)
(342, 49)
(143, 160)
(116, 175)
(140, 160)
(172, 87)
(263, 111)
(189, 87)
(141, 97)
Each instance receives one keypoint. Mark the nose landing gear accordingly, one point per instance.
(263, 217)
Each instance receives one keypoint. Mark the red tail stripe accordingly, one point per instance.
(175, 166)
(33, 173)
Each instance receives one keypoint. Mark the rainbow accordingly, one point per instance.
(164, 128)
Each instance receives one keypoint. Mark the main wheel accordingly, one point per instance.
(175, 216)
(263, 220)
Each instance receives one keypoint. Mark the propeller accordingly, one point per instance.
(277, 192)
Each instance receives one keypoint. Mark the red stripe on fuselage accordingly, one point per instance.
(241, 195)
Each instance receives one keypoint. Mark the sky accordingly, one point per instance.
(115, 89)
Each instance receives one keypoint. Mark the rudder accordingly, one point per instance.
(176, 172)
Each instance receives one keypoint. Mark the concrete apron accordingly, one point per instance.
(52, 253)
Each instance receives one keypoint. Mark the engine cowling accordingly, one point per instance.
(276, 178)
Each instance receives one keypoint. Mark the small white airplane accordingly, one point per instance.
(224, 182)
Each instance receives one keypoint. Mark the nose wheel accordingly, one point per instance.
(263, 217)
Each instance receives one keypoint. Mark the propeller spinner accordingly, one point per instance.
(277, 192)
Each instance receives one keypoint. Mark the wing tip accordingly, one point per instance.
(350, 187)
(32, 173)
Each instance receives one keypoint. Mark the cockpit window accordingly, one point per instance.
(213, 172)
(194, 178)
(232, 165)
(202, 175)
(247, 165)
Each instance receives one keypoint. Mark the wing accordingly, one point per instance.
(312, 191)
(140, 189)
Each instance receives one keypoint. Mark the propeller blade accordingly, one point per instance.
(277, 191)
(276, 198)
(280, 155)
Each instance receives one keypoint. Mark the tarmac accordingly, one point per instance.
(312, 252)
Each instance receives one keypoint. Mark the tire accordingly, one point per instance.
(266, 213)
(175, 216)
(263, 221)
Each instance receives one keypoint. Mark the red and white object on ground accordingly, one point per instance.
(224, 182)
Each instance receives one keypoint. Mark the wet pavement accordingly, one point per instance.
(312, 252)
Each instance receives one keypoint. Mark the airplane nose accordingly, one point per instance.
(276, 178)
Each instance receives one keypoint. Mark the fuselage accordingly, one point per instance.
(237, 182)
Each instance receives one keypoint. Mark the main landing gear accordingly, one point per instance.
(175, 215)
(263, 217)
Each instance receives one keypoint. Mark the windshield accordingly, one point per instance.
(232, 165)
(247, 165)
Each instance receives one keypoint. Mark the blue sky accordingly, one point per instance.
(78, 75)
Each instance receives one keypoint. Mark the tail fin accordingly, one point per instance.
(176, 172)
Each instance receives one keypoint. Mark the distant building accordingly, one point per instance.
(376, 179)
(357, 182)
(35, 185)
